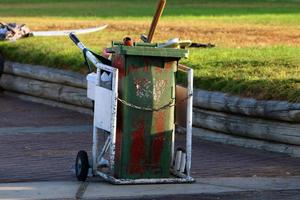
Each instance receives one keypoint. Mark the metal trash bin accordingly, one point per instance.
(145, 119)
(135, 95)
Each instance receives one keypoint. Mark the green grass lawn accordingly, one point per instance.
(258, 42)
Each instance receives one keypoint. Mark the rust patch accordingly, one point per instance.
(157, 147)
(169, 65)
(159, 121)
(137, 149)
(118, 62)
(147, 64)
(146, 68)
(158, 69)
(158, 141)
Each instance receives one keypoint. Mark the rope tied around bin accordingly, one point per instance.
(169, 105)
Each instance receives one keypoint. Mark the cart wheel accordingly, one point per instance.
(82, 166)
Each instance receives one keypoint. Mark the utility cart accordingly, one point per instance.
(137, 105)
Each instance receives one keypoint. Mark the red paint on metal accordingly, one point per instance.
(138, 153)
(118, 62)
(147, 65)
(158, 69)
(147, 61)
(158, 141)
(159, 121)
(169, 65)
(146, 69)
(157, 147)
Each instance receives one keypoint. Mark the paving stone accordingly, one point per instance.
(51, 156)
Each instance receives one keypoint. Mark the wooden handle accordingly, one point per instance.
(159, 11)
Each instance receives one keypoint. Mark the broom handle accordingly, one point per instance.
(159, 11)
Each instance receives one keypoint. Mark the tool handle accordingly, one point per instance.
(88, 54)
(159, 11)
(74, 38)
(76, 41)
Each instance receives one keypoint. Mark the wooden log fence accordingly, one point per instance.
(46, 74)
(46, 90)
(217, 101)
(251, 127)
(270, 121)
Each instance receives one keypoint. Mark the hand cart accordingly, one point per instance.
(103, 90)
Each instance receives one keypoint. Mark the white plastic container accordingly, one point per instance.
(91, 85)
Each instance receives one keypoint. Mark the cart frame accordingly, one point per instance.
(110, 143)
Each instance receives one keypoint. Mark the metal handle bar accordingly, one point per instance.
(76, 41)
(97, 60)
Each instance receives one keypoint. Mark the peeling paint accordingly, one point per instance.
(159, 118)
(143, 87)
(118, 61)
(159, 88)
(157, 147)
(137, 149)
(169, 65)
(142, 138)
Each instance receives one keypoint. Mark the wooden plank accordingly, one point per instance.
(46, 74)
(52, 91)
(280, 110)
(269, 130)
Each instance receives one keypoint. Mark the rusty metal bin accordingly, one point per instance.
(145, 117)
(134, 116)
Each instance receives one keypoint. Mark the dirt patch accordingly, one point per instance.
(224, 35)
(218, 32)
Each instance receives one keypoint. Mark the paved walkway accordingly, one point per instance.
(40, 143)
(204, 188)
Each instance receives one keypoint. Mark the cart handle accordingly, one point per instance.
(85, 50)
(74, 38)
(76, 41)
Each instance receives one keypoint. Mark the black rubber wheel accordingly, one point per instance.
(82, 166)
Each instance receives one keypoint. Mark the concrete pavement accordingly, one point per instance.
(102, 190)
(38, 145)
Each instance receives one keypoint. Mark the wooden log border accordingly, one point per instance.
(214, 136)
(46, 83)
(46, 90)
(250, 127)
(46, 74)
(215, 112)
(217, 101)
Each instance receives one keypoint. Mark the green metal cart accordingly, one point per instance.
(136, 98)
